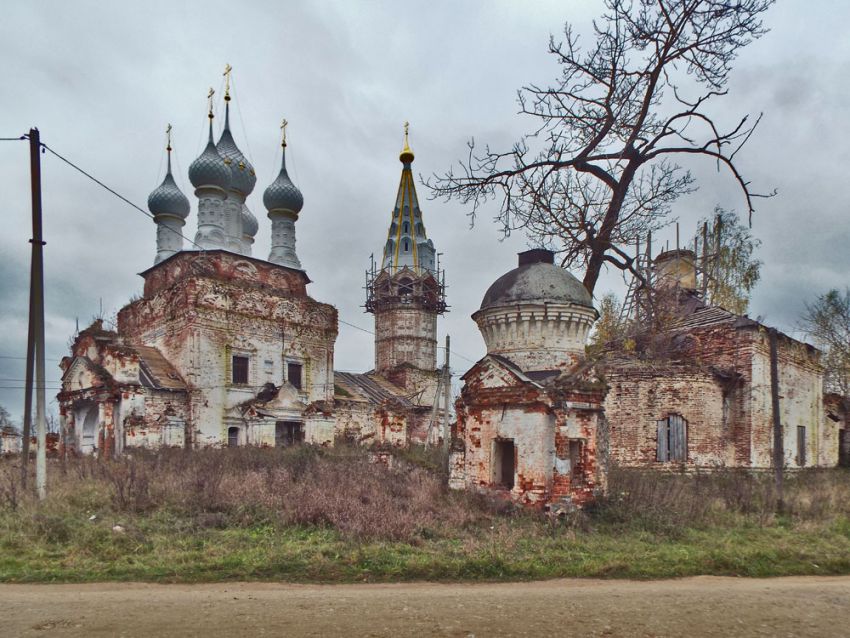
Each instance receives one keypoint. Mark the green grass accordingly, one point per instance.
(661, 531)
(153, 549)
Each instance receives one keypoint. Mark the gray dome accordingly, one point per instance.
(282, 194)
(209, 169)
(536, 283)
(242, 174)
(250, 226)
(168, 199)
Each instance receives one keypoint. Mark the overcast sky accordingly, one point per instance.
(102, 80)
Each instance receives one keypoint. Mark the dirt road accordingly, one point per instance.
(705, 606)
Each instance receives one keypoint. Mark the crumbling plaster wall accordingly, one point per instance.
(642, 392)
(201, 313)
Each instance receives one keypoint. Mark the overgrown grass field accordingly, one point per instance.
(333, 515)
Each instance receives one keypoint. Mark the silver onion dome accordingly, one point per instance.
(282, 194)
(209, 168)
(243, 178)
(250, 226)
(167, 199)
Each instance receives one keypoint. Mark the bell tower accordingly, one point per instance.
(406, 294)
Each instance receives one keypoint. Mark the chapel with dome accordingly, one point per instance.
(227, 348)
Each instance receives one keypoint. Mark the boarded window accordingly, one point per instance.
(801, 445)
(672, 441)
(293, 374)
(288, 433)
(405, 287)
(240, 369)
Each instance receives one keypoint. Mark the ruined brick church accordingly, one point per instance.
(225, 348)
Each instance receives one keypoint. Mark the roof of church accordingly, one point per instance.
(161, 373)
(536, 280)
(371, 388)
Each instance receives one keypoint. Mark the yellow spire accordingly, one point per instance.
(406, 155)
(227, 70)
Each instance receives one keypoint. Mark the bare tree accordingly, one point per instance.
(827, 321)
(601, 167)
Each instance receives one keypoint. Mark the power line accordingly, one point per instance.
(13, 139)
(117, 194)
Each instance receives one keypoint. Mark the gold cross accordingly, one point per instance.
(283, 126)
(168, 137)
(227, 70)
(210, 98)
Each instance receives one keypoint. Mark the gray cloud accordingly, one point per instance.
(102, 80)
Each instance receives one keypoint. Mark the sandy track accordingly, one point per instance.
(704, 606)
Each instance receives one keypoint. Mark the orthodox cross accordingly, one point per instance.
(227, 70)
(210, 99)
(283, 126)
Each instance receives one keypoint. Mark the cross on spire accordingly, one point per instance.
(227, 70)
(210, 100)
(283, 126)
(168, 138)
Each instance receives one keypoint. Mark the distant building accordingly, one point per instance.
(10, 440)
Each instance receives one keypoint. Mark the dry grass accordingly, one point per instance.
(315, 514)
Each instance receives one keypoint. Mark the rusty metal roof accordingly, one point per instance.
(157, 370)
(371, 388)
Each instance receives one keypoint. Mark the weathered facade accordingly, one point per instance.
(529, 417)
(224, 348)
(707, 401)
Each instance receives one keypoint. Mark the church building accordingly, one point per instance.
(225, 348)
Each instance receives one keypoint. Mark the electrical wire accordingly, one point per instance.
(117, 194)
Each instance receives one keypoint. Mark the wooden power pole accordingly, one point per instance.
(35, 345)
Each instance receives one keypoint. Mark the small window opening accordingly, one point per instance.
(240, 369)
(293, 374)
(406, 245)
(405, 287)
(801, 445)
(232, 436)
(288, 433)
(672, 442)
(504, 466)
(575, 458)
(405, 228)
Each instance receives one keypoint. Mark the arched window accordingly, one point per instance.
(405, 246)
(405, 228)
(232, 436)
(405, 287)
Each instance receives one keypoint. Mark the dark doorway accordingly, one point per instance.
(232, 436)
(504, 465)
(844, 447)
(288, 433)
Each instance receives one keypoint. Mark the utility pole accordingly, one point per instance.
(27, 433)
(447, 394)
(36, 320)
(778, 447)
